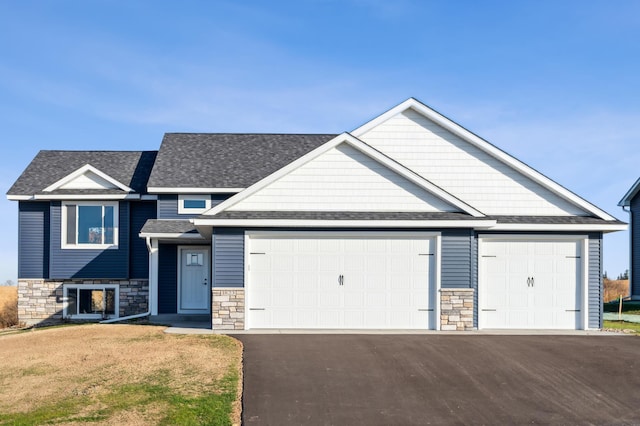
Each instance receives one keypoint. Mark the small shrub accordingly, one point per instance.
(613, 289)
(8, 306)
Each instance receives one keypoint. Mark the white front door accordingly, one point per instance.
(332, 282)
(530, 284)
(194, 285)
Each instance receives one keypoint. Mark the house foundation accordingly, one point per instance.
(42, 301)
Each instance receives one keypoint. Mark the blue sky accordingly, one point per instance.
(554, 83)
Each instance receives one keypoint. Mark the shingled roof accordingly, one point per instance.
(223, 160)
(131, 168)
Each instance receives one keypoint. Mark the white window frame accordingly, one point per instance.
(63, 228)
(79, 287)
(185, 197)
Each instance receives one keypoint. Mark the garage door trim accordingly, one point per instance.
(582, 284)
(436, 236)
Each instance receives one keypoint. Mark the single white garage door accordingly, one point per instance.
(530, 284)
(333, 282)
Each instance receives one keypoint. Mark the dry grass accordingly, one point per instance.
(116, 374)
(613, 289)
(8, 306)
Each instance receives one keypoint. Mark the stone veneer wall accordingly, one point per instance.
(227, 309)
(456, 309)
(40, 301)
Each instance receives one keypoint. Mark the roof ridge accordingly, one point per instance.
(98, 150)
(251, 134)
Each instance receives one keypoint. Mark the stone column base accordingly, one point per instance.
(456, 309)
(227, 308)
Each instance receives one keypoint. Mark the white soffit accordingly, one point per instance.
(88, 177)
(485, 146)
(361, 147)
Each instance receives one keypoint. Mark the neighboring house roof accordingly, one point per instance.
(131, 168)
(225, 161)
(631, 193)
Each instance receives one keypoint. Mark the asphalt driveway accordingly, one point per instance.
(428, 379)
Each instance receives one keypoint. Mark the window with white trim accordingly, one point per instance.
(91, 301)
(193, 203)
(90, 225)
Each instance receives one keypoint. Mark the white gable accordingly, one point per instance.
(88, 177)
(342, 179)
(88, 180)
(462, 169)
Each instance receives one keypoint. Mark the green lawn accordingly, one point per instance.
(119, 374)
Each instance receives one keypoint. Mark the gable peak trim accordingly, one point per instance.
(87, 168)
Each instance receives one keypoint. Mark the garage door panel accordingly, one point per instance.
(383, 281)
(539, 280)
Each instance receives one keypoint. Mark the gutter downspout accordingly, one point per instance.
(144, 314)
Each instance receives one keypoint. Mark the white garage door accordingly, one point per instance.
(332, 282)
(530, 284)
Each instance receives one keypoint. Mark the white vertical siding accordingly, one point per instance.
(463, 170)
(343, 179)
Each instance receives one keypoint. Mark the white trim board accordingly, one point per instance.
(485, 146)
(365, 149)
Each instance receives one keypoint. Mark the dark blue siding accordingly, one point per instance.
(456, 266)
(228, 258)
(595, 285)
(139, 255)
(167, 279)
(33, 240)
(635, 245)
(88, 263)
(168, 206)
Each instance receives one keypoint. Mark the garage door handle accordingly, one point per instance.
(256, 309)
(340, 279)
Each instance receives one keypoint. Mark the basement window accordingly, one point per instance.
(91, 301)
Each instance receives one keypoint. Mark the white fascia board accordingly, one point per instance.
(82, 170)
(626, 200)
(87, 197)
(365, 149)
(560, 227)
(20, 197)
(487, 147)
(175, 235)
(168, 190)
(476, 224)
(149, 197)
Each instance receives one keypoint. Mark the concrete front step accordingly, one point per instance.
(180, 318)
